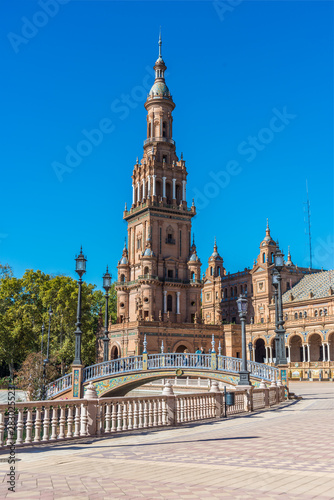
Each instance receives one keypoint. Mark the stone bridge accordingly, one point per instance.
(119, 376)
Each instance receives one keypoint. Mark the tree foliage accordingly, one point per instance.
(24, 304)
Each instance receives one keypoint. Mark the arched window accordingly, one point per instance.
(241, 289)
(300, 315)
(231, 291)
(146, 270)
(193, 275)
(272, 257)
(296, 315)
(211, 271)
(122, 279)
(164, 129)
(245, 289)
(263, 257)
(315, 313)
(325, 312)
(150, 129)
(305, 314)
(169, 303)
(218, 271)
(320, 312)
(235, 291)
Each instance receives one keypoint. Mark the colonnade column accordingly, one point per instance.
(144, 189)
(270, 354)
(328, 352)
(154, 185)
(165, 301)
(148, 185)
(308, 353)
(184, 191)
(138, 191)
(178, 302)
(174, 189)
(133, 194)
(164, 187)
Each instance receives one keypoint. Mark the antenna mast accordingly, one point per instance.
(309, 223)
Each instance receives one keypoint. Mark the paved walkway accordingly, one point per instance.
(287, 453)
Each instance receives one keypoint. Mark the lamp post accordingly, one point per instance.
(106, 286)
(43, 329)
(250, 348)
(242, 310)
(279, 330)
(80, 268)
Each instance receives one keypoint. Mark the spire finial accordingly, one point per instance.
(193, 238)
(160, 43)
(267, 228)
(215, 245)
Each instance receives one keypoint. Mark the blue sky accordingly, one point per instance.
(231, 70)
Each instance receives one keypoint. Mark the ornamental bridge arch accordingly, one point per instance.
(119, 376)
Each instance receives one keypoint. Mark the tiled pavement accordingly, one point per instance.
(285, 453)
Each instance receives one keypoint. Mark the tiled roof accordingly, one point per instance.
(317, 283)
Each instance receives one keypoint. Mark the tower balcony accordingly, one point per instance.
(150, 140)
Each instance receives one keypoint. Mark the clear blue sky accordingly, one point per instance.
(230, 72)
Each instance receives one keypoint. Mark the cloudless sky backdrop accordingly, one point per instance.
(226, 73)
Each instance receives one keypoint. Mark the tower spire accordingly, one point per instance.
(160, 43)
(267, 228)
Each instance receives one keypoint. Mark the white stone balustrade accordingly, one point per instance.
(42, 421)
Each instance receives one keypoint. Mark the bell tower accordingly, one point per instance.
(161, 284)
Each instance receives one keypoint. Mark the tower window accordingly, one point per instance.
(169, 303)
(164, 129)
(170, 273)
(211, 271)
(160, 241)
(263, 258)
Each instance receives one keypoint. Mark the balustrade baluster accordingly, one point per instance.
(83, 420)
(130, 415)
(2, 427)
(107, 418)
(181, 410)
(188, 409)
(192, 408)
(28, 438)
(46, 424)
(145, 413)
(119, 416)
(164, 412)
(135, 415)
(19, 427)
(69, 433)
(37, 436)
(150, 413)
(125, 416)
(77, 421)
(155, 413)
(140, 414)
(54, 423)
(100, 409)
(62, 423)
(159, 412)
(114, 417)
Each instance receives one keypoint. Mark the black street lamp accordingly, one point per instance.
(43, 328)
(250, 348)
(80, 268)
(106, 286)
(279, 330)
(242, 310)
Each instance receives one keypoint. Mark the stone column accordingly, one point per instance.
(289, 356)
(324, 351)
(144, 189)
(174, 189)
(133, 194)
(271, 354)
(253, 353)
(184, 191)
(138, 192)
(164, 187)
(165, 301)
(178, 302)
(154, 185)
(328, 352)
(148, 185)
(308, 353)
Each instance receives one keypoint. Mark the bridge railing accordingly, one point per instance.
(164, 361)
(115, 366)
(58, 386)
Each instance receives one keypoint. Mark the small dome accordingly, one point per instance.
(123, 260)
(148, 253)
(159, 89)
(193, 258)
